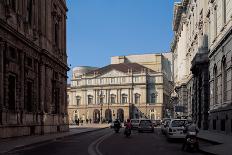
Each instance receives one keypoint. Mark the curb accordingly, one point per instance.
(209, 141)
(205, 152)
(48, 141)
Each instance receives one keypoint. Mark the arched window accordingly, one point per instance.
(215, 85)
(153, 98)
(78, 100)
(124, 98)
(137, 98)
(112, 98)
(90, 99)
(224, 79)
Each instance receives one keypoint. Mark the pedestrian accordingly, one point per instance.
(78, 122)
(82, 122)
(90, 120)
(87, 121)
(75, 121)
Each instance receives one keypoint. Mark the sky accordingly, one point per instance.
(100, 29)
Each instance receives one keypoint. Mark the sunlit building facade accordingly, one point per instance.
(132, 86)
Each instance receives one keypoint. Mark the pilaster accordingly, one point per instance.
(2, 47)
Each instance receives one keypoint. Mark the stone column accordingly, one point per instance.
(42, 87)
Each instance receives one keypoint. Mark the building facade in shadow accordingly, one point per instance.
(33, 66)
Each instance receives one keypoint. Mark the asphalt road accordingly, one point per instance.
(106, 142)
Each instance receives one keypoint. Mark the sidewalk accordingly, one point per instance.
(10, 144)
(218, 143)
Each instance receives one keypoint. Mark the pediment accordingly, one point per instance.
(113, 73)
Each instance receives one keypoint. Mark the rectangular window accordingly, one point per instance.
(29, 96)
(11, 92)
(12, 4)
(29, 12)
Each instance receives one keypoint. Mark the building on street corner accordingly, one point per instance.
(134, 86)
(33, 66)
(202, 62)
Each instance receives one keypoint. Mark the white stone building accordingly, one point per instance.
(202, 61)
(132, 86)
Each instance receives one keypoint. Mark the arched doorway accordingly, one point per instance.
(120, 114)
(108, 115)
(96, 116)
(152, 114)
(75, 115)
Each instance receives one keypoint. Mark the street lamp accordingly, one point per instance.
(101, 103)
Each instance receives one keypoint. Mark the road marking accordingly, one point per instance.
(93, 148)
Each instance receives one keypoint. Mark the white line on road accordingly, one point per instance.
(93, 148)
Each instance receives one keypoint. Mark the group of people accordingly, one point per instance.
(78, 121)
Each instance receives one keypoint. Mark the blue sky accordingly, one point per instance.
(99, 29)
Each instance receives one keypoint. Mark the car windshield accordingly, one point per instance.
(134, 121)
(178, 123)
(145, 122)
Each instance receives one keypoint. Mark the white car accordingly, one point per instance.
(175, 129)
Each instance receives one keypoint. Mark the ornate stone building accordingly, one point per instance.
(202, 49)
(133, 86)
(33, 66)
(190, 54)
(220, 67)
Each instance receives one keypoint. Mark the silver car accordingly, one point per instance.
(135, 123)
(145, 125)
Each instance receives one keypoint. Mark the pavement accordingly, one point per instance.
(215, 143)
(10, 144)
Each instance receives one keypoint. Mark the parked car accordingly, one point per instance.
(175, 129)
(145, 125)
(164, 125)
(135, 123)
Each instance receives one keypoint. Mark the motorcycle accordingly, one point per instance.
(127, 132)
(116, 129)
(192, 141)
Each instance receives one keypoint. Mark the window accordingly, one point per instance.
(101, 100)
(29, 11)
(137, 98)
(112, 98)
(12, 53)
(215, 21)
(12, 4)
(29, 62)
(124, 98)
(78, 100)
(29, 96)
(112, 80)
(90, 99)
(153, 98)
(56, 34)
(215, 85)
(224, 80)
(11, 92)
(224, 11)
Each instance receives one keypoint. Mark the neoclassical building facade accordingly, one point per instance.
(33, 67)
(124, 89)
(202, 50)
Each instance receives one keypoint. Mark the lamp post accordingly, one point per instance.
(101, 103)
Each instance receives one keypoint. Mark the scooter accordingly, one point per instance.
(116, 129)
(127, 132)
(192, 141)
